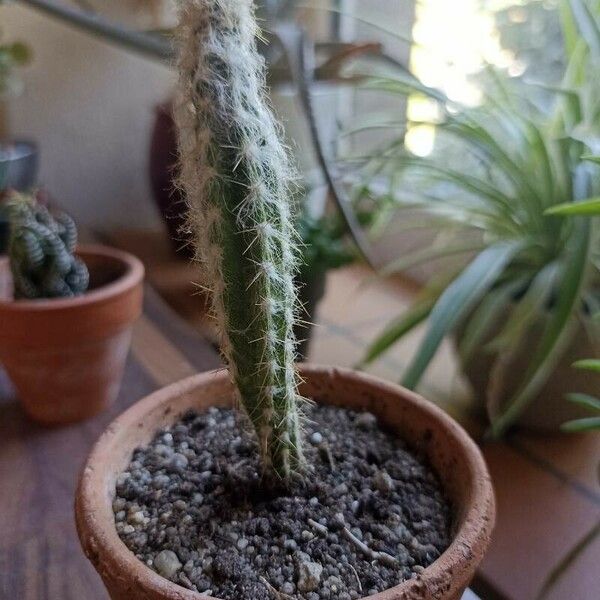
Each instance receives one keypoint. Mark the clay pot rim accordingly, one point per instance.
(468, 538)
(133, 275)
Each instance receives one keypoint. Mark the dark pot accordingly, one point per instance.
(549, 409)
(3, 233)
(18, 171)
(311, 289)
(163, 171)
(18, 165)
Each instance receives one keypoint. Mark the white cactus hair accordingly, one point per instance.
(236, 174)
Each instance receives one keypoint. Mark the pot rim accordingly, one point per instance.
(133, 275)
(470, 536)
(29, 144)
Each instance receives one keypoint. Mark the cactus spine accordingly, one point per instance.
(40, 249)
(236, 175)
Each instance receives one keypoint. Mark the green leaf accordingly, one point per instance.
(415, 315)
(476, 128)
(591, 206)
(572, 100)
(569, 27)
(561, 161)
(458, 300)
(557, 331)
(427, 254)
(590, 364)
(580, 425)
(484, 317)
(574, 77)
(591, 158)
(472, 184)
(527, 310)
(587, 25)
(584, 400)
(536, 139)
(404, 85)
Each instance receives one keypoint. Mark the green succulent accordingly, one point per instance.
(323, 246)
(41, 250)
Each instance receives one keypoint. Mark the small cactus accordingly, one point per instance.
(40, 250)
(236, 175)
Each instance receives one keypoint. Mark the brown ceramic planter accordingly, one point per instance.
(451, 452)
(66, 356)
(549, 409)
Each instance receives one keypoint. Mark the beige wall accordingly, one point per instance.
(90, 107)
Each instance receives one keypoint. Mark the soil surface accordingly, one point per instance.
(369, 515)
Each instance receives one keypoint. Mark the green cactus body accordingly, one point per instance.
(40, 249)
(236, 175)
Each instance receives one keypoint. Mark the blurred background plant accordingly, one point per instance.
(324, 237)
(520, 301)
(13, 157)
(325, 245)
(12, 56)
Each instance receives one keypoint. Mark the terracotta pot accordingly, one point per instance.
(549, 409)
(449, 449)
(66, 356)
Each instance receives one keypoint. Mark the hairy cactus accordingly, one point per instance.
(236, 175)
(41, 249)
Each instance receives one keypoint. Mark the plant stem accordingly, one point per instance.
(236, 174)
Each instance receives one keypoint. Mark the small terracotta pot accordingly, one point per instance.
(451, 452)
(66, 356)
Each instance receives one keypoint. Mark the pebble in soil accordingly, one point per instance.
(369, 515)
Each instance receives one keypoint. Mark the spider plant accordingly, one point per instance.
(587, 208)
(590, 208)
(538, 275)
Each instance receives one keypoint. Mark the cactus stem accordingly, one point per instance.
(237, 176)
